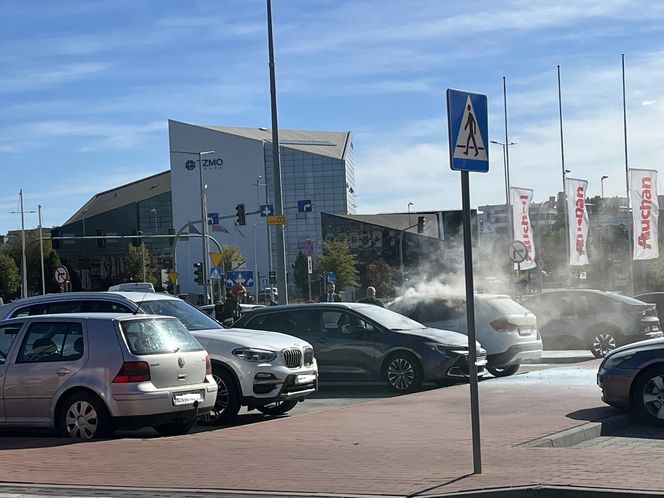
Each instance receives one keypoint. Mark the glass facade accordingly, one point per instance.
(328, 183)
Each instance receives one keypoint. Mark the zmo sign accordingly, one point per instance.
(207, 163)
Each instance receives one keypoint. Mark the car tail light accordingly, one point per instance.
(208, 365)
(133, 371)
(503, 325)
(637, 312)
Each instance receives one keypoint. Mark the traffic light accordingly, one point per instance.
(240, 215)
(56, 244)
(101, 242)
(421, 224)
(198, 272)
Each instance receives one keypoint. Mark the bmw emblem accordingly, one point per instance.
(191, 164)
(181, 361)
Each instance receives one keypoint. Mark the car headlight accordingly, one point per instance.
(255, 355)
(444, 348)
(616, 359)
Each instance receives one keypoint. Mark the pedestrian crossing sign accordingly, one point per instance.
(468, 132)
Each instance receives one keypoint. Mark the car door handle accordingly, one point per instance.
(63, 371)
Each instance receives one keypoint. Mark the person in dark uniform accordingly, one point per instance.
(231, 310)
(330, 295)
(371, 298)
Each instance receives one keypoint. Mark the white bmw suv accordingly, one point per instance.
(266, 371)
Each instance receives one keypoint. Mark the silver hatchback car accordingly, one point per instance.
(86, 374)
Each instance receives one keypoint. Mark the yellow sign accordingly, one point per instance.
(172, 277)
(277, 219)
(216, 257)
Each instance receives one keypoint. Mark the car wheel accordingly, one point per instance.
(227, 404)
(648, 400)
(83, 416)
(603, 341)
(403, 373)
(504, 371)
(278, 407)
(175, 428)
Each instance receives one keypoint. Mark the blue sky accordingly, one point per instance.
(87, 88)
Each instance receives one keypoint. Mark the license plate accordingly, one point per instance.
(305, 379)
(188, 398)
(525, 331)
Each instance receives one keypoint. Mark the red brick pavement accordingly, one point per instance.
(411, 444)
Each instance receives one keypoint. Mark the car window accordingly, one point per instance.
(7, 335)
(106, 307)
(190, 316)
(35, 309)
(287, 322)
(156, 336)
(52, 341)
(439, 309)
(343, 322)
(64, 307)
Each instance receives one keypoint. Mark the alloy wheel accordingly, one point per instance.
(400, 374)
(602, 344)
(217, 411)
(653, 397)
(81, 420)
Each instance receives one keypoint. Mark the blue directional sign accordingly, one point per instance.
(330, 277)
(304, 206)
(468, 131)
(213, 218)
(216, 273)
(266, 210)
(245, 278)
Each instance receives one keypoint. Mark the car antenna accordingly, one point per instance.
(139, 304)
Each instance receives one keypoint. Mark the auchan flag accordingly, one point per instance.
(645, 212)
(577, 220)
(523, 230)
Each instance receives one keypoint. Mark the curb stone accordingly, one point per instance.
(580, 434)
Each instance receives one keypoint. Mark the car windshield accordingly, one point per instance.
(190, 316)
(158, 335)
(389, 319)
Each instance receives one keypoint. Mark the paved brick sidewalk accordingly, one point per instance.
(417, 444)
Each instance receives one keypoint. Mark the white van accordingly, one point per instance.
(132, 287)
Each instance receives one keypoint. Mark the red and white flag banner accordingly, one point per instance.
(577, 220)
(645, 212)
(522, 229)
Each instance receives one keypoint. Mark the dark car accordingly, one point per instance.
(356, 341)
(633, 377)
(656, 298)
(597, 320)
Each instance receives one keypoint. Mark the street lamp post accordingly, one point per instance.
(41, 251)
(506, 168)
(269, 235)
(604, 177)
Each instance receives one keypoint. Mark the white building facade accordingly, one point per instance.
(318, 175)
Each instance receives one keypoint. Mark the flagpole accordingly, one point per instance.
(630, 225)
(562, 164)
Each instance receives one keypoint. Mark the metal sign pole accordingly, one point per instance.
(470, 316)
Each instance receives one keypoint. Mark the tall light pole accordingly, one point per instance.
(204, 240)
(41, 251)
(409, 222)
(24, 266)
(506, 168)
(604, 177)
(269, 237)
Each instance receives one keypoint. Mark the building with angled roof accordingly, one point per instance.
(318, 175)
(101, 231)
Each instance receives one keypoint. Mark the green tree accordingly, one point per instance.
(382, 276)
(9, 282)
(338, 259)
(137, 259)
(229, 255)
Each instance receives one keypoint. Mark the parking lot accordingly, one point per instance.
(356, 440)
